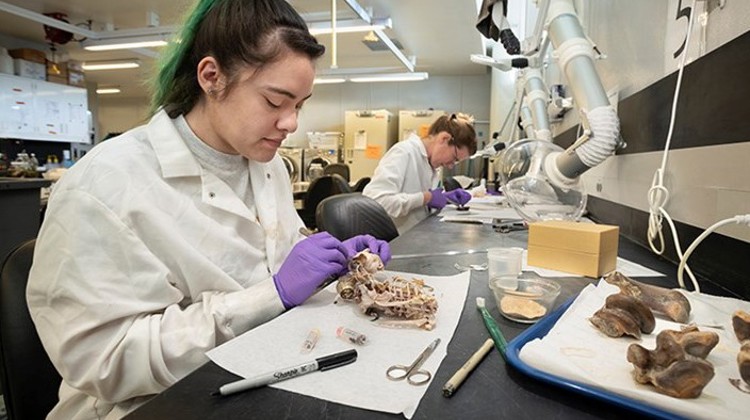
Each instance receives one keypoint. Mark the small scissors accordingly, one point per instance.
(409, 372)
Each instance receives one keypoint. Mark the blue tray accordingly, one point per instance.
(539, 330)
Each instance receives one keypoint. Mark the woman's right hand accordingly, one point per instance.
(437, 199)
(310, 263)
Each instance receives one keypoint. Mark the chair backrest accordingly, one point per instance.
(360, 185)
(450, 184)
(347, 215)
(319, 189)
(29, 380)
(337, 168)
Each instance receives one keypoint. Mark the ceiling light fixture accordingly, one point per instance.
(107, 90)
(328, 80)
(390, 77)
(371, 37)
(348, 26)
(111, 65)
(353, 75)
(122, 43)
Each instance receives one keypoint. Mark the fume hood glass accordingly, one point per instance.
(530, 191)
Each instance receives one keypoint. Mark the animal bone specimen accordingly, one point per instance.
(623, 315)
(695, 342)
(741, 325)
(669, 367)
(410, 300)
(668, 302)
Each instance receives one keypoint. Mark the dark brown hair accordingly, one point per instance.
(235, 33)
(460, 127)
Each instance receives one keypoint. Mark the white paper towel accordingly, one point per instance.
(575, 350)
(363, 383)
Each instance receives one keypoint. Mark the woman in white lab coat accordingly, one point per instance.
(181, 234)
(406, 179)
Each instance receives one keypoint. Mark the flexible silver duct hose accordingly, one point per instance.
(575, 55)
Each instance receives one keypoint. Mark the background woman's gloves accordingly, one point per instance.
(376, 246)
(459, 196)
(310, 263)
(437, 199)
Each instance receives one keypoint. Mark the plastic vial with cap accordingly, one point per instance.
(310, 341)
(351, 336)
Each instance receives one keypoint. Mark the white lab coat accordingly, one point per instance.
(145, 261)
(400, 180)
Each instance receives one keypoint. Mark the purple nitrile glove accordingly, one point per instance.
(459, 196)
(438, 200)
(362, 242)
(310, 263)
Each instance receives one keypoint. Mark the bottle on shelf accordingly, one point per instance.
(34, 162)
(52, 162)
(67, 162)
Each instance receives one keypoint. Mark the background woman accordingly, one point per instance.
(406, 178)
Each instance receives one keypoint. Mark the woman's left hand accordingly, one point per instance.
(459, 196)
(362, 242)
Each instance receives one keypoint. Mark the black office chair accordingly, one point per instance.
(360, 185)
(30, 381)
(337, 168)
(347, 215)
(319, 189)
(450, 184)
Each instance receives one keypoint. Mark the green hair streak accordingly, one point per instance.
(176, 52)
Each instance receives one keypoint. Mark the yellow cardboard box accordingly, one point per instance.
(63, 80)
(29, 54)
(582, 248)
(57, 70)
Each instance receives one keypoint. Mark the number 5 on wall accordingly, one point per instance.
(678, 17)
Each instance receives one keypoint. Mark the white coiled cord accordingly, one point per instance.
(658, 194)
(745, 218)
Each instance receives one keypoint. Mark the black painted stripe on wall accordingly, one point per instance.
(718, 259)
(713, 108)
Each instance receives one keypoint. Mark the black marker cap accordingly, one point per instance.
(337, 359)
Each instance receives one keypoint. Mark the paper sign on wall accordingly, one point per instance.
(360, 140)
(374, 152)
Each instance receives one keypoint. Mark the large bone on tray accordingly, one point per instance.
(670, 367)
(671, 303)
(741, 325)
(623, 315)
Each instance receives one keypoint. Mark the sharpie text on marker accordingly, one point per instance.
(322, 364)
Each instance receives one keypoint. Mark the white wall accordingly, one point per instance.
(707, 184)
(638, 37)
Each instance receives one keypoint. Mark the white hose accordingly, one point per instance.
(605, 130)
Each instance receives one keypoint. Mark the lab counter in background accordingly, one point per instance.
(20, 211)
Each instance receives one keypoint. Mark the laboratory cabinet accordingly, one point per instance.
(367, 136)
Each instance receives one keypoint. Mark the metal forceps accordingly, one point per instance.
(399, 372)
(508, 225)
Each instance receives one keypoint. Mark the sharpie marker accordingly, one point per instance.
(322, 364)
